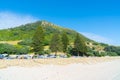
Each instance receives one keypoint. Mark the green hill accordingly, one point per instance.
(25, 32)
(21, 37)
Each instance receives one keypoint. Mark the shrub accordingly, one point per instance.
(112, 54)
(45, 52)
(103, 54)
(26, 42)
(90, 54)
(96, 53)
(68, 55)
(7, 48)
(22, 50)
(95, 43)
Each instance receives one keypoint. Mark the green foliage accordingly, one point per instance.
(38, 39)
(22, 50)
(72, 51)
(11, 49)
(45, 52)
(69, 50)
(103, 53)
(7, 48)
(113, 49)
(26, 42)
(90, 54)
(79, 45)
(29, 35)
(96, 53)
(65, 42)
(112, 54)
(69, 55)
(103, 44)
(56, 44)
(95, 43)
(26, 32)
(100, 54)
(41, 53)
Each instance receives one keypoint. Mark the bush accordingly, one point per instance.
(7, 48)
(41, 53)
(69, 50)
(112, 54)
(45, 52)
(90, 54)
(100, 54)
(95, 43)
(22, 50)
(96, 53)
(103, 44)
(68, 55)
(112, 50)
(26, 42)
(103, 54)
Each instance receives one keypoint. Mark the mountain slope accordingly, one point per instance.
(24, 32)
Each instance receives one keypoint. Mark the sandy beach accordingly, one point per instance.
(104, 68)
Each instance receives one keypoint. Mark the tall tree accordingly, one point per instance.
(55, 44)
(65, 41)
(79, 45)
(38, 39)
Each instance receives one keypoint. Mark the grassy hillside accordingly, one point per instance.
(25, 32)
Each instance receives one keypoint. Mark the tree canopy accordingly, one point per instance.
(55, 44)
(65, 41)
(38, 40)
(79, 45)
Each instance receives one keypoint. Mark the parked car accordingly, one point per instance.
(24, 57)
(63, 56)
(51, 56)
(1, 56)
(7, 58)
(12, 56)
(43, 56)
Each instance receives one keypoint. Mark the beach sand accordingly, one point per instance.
(93, 68)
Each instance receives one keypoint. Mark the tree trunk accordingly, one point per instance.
(78, 54)
(55, 53)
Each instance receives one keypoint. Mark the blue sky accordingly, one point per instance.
(96, 19)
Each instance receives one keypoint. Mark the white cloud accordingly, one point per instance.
(9, 19)
(97, 38)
